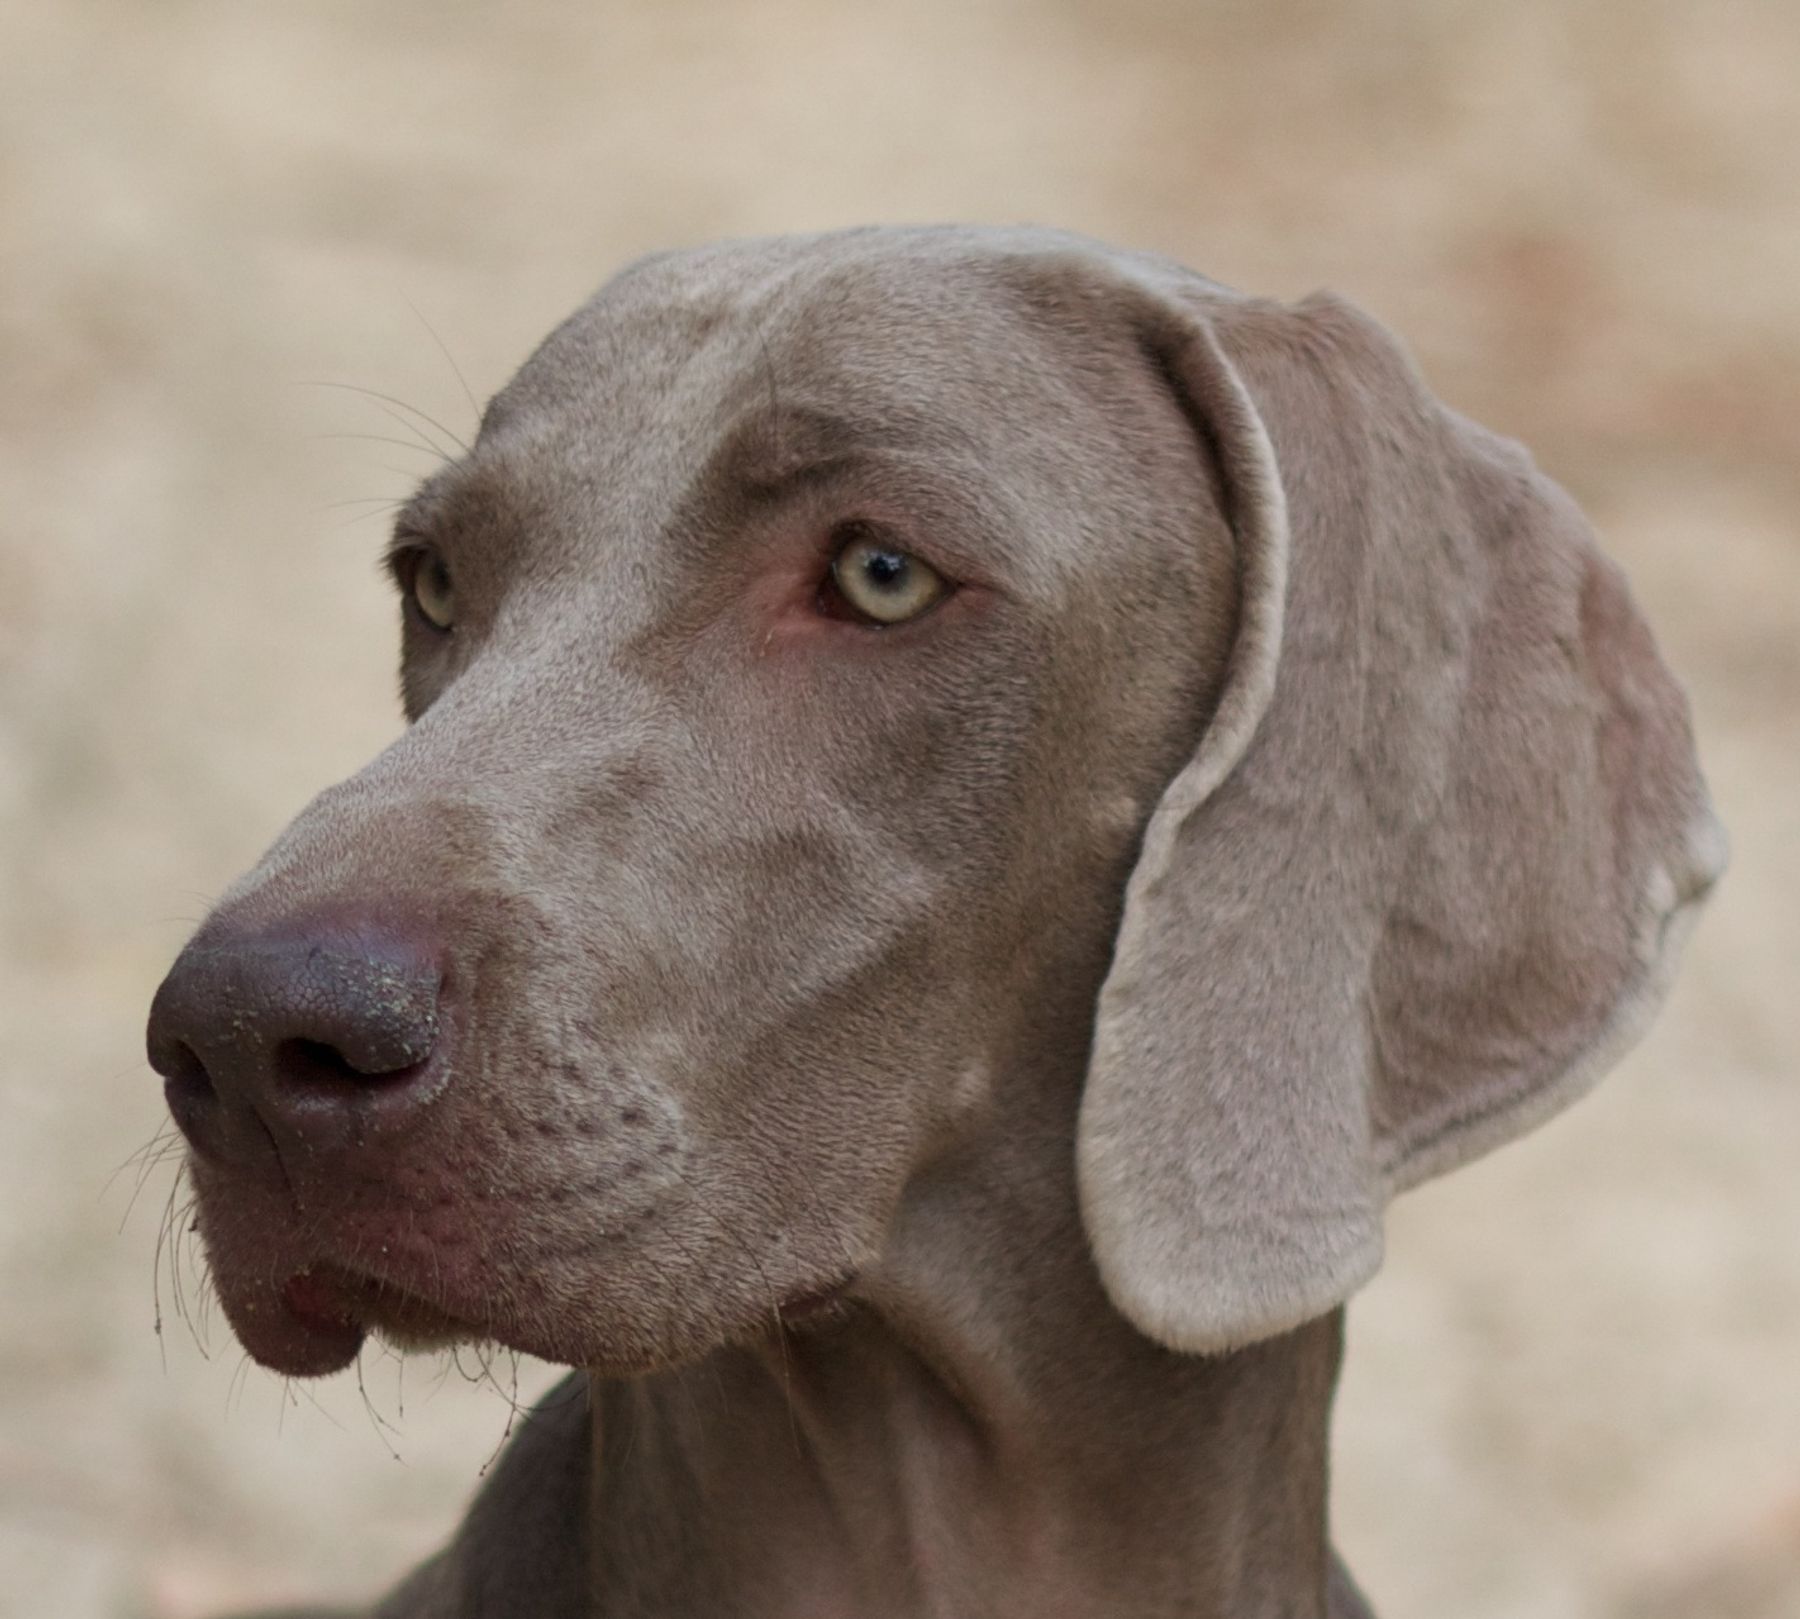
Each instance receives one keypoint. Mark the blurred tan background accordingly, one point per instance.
(1575, 1390)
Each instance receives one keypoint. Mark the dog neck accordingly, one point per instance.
(980, 1433)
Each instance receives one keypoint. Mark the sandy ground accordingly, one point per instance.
(1575, 1390)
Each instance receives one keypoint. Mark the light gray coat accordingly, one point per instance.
(941, 1082)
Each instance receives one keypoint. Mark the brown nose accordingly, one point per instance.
(319, 1033)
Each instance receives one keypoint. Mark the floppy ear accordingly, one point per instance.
(1425, 876)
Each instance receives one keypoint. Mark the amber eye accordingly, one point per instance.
(433, 590)
(880, 582)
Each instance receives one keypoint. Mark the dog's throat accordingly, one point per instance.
(837, 1473)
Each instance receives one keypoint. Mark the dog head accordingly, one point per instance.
(846, 671)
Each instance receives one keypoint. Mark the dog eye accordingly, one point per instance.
(881, 583)
(433, 590)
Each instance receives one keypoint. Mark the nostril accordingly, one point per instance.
(186, 1084)
(315, 1068)
(300, 1062)
(317, 1032)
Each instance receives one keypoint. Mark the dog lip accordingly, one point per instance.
(328, 1294)
(317, 1301)
(298, 1332)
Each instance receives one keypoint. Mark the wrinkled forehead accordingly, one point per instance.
(694, 340)
(751, 365)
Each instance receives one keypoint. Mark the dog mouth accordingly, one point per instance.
(311, 1319)
(317, 1320)
(303, 1301)
(324, 1299)
(324, 1313)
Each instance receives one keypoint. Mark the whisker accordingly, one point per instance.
(162, 1233)
(145, 1159)
(360, 517)
(395, 416)
(170, 1152)
(240, 1380)
(514, 1411)
(383, 438)
(313, 1400)
(388, 501)
(376, 510)
(389, 399)
(444, 349)
(379, 1423)
(176, 1228)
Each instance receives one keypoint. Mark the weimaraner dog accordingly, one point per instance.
(975, 805)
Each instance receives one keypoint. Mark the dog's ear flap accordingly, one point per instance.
(1426, 873)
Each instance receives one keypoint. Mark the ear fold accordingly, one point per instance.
(1424, 878)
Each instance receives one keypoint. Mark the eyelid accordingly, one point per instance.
(845, 531)
(402, 555)
(903, 501)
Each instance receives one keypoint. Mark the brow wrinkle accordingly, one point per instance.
(774, 451)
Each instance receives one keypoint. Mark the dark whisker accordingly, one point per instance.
(153, 1152)
(169, 1152)
(240, 1380)
(379, 1423)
